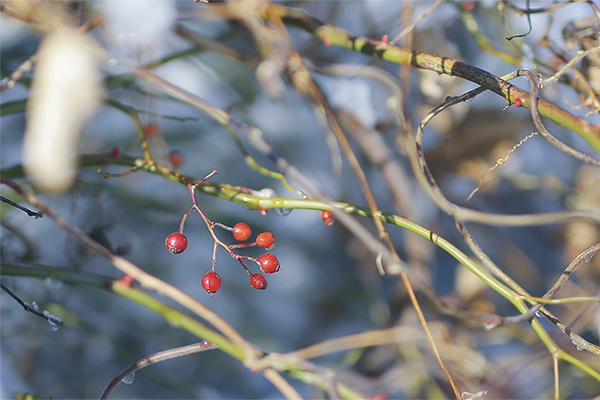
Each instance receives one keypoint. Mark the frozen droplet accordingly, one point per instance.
(52, 319)
(469, 99)
(589, 258)
(284, 211)
(205, 343)
(128, 379)
(35, 306)
(538, 314)
(53, 283)
(53, 326)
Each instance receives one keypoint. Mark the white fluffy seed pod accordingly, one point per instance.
(64, 94)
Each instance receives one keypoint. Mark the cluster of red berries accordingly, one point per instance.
(176, 243)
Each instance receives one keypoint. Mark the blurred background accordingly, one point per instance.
(328, 285)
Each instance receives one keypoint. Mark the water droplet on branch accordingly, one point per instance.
(285, 211)
(128, 380)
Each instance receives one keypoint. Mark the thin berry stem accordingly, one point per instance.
(185, 216)
(220, 225)
(218, 242)
(214, 172)
(244, 265)
(239, 245)
(210, 225)
(214, 258)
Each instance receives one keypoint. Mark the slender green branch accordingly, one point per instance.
(254, 202)
(133, 114)
(473, 27)
(565, 300)
(67, 276)
(178, 319)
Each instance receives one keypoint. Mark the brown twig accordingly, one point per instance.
(535, 81)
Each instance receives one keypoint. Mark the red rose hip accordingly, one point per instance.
(176, 243)
(241, 231)
(258, 281)
(268, 263)
(176, 158)
(266, 240)
(211, 282)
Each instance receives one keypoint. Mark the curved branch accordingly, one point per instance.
(535, 81)
(153, 359)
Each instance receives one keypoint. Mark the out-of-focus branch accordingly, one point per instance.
(239, 344)
(332, 35)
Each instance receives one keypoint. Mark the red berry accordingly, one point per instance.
(241, 231)
(211, 282)
(327, 217)
(268, 263)
(150, 130)
(266, 240)
(176, 158)
(468, 5)
(258, 281)
(176, 243)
